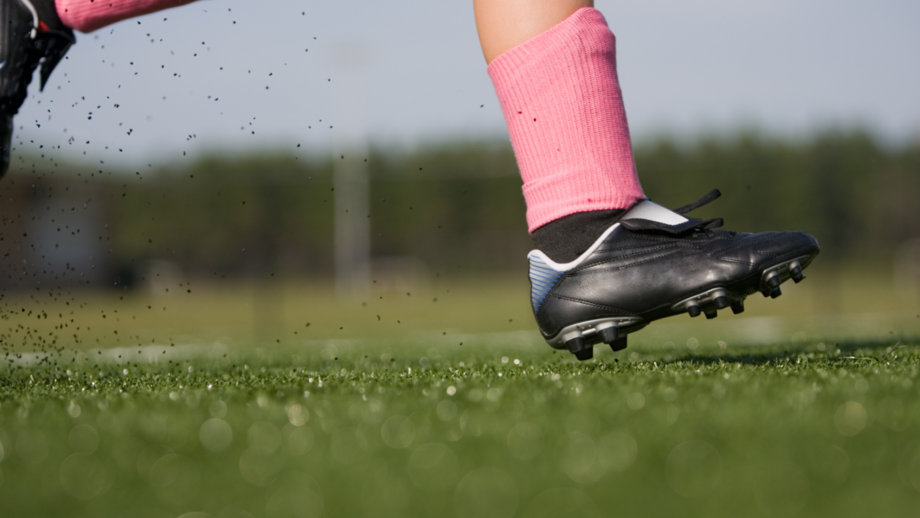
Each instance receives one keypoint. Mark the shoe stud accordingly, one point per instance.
(721, 302)
(772, 281)
(776, 292)
(795, 271)
(711, 314)
(619, 344)
(609, 334)
(585, 354)
(738, 306)
(694, 310)
(576, 345)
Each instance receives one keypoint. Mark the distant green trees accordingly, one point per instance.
(859, 198)
(458, 206)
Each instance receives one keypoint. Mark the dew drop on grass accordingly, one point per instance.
(397, 432)
(447, 409)
(636, 401)
(850, 418)
(259, 469)
(525, 441)
(576, 454)
(297, 439)
(83, 439)
(298, 415)
(215, 435)
(263, 437)
(83, 476)
(149, 456)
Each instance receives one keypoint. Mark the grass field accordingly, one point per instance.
(788, 412)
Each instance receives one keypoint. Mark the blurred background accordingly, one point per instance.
(296, 171)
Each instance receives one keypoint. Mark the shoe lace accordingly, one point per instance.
(692, 225)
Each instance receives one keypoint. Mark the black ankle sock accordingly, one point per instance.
(566, 238)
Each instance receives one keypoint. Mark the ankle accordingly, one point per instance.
(566, 238)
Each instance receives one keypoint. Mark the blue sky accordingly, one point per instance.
(234, 76)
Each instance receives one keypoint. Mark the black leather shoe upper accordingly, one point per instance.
(30, 33)
(644, 270)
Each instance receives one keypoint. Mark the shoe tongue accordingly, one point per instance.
(653, 212)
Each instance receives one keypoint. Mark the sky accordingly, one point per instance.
(231, 76)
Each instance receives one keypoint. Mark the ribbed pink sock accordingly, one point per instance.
(89, 15)
(561, 99)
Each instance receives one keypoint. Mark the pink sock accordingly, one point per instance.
(561, 99)
(89, 15)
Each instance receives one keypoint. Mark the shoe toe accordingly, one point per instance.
(760, 249)
(795, 243)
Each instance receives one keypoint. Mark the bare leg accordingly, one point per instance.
(505, 24)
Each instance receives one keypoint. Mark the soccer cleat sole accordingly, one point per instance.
(579, 339)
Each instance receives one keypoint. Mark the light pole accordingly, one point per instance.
(350, 176)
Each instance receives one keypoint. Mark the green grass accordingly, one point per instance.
(497, 427)
(454, 408)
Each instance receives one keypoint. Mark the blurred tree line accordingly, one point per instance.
(859, 198)
(458, 207)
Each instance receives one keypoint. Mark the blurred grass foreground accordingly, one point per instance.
(496, 428)
(175, 346)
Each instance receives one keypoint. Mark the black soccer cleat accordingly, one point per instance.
(654, 263)
(30, 33)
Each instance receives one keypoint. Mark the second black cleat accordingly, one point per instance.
(30, 34)
(654, 263)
